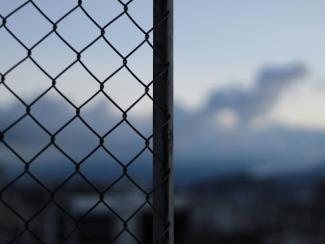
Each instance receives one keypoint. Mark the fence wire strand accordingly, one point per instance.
(52, 136)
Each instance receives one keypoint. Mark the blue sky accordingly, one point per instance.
(226, 43)
(249, 77)
(219, 42)
(216, 42)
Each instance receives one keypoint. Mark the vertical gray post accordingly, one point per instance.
(163, 219)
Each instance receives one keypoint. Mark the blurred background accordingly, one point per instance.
(249, 121)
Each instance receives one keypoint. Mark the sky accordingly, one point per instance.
(249, 82)
(225, 43)
(219, 42)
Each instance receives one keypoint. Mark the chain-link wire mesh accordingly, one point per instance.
(66, 180)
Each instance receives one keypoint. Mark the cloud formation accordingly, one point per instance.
(270, 84)
(201, 146)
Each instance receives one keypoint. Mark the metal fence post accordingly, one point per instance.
(163, 226)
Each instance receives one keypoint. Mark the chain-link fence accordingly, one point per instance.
(74, 169)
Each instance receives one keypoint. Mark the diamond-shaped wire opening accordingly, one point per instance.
(68, 232)
(100, 223)
(102, 11)
(43, 109)
(42, 230)
(10, 166)
(76, 140)
(138, 226)
(28, 81)
(124, 143)
(72, 29)
(128, 237)
(101, 169)
(26, 197)
(123, 35)
(10, 108)
(52, 168)
(101, 59)
(53, 55)
(141, 117)
(55, 9)
(124, 89)
(77, 85)
(124, 198)
(141, 170)
(101, 114)
(141, 12)
(21, 28)
(9, 6)
(138, 63)
(24, 236)
(27, 138)
(11, 51)
(68, 194)
(11, 227)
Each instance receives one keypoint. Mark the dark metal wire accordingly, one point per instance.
(159, 107)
